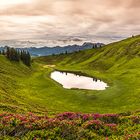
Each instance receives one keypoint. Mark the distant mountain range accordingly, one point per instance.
(45, 51)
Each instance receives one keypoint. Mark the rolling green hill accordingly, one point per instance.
(24, 89)
(30, 89)
(10, 72)
(118, 64)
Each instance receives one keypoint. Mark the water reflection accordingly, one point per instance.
(69, 80)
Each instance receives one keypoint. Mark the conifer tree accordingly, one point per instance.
(17, 55)
(3, 52)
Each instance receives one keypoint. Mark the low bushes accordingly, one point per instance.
(69, 125)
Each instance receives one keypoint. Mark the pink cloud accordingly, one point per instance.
(85, 18)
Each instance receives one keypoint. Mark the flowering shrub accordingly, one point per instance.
(69, 125)
(97, 116)
(133, 136)
(110, 118)
(68, 116)
(136, 119)
(93, 124)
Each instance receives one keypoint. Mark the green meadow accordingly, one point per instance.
(30, 89)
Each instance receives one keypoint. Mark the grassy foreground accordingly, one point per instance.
(24, 89)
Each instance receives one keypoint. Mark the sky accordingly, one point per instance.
(60, 22)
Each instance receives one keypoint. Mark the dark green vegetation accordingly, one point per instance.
(16, 55)
(26, 89)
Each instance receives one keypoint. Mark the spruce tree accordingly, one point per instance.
(17, 55)
(3, 52)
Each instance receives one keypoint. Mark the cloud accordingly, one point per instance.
(57, 19)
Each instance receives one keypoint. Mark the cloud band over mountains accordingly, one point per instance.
(104, 20)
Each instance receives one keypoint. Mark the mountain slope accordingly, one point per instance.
(108, 55)
(25, 89)
(10, 72)
(118, 64)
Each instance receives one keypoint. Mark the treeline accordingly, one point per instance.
(17, 55)
(96, 46)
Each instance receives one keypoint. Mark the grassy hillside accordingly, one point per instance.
(24, 89)
(118, 64)
(101, 59)
(10, 72)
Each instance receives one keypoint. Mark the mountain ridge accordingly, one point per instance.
(44, 51)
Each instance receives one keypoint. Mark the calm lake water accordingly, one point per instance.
(69, 80)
